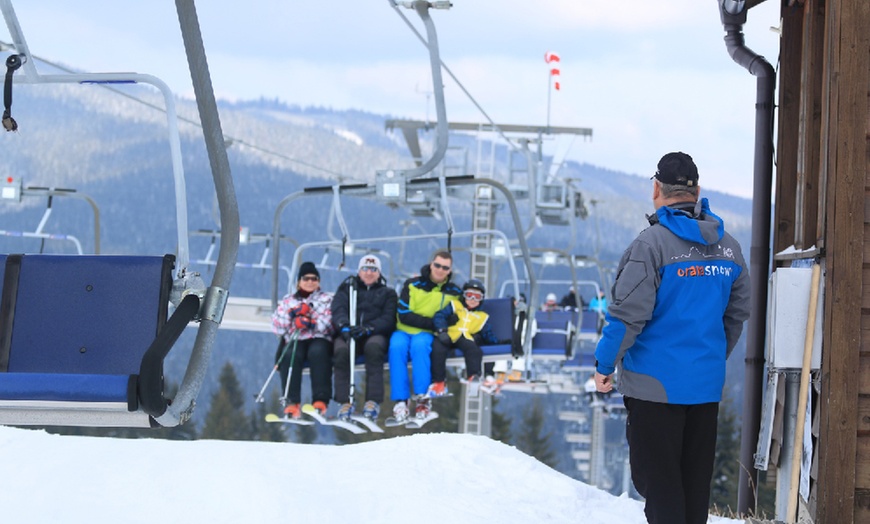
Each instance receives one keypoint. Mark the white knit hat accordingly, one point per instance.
(369, 261)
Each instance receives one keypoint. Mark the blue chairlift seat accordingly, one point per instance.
(580, 360)
(589, 322)
(554, 334)
(84, 337)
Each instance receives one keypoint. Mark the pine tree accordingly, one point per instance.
(531, 439)
(723, 491)
(305, 434)
(501, 424)
(226, 420)
(262, 430)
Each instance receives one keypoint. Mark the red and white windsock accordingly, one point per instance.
(551, 57)
(554, 72)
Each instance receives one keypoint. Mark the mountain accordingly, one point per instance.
(113, 149)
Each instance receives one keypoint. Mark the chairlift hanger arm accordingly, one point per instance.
(41, 191)
(441, 140)
(216, 295)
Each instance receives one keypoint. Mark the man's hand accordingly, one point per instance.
(603, 383)
(361, 331)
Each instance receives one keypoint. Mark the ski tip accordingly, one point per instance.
(271, 417)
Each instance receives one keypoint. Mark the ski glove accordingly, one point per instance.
(303, 323)
(345, 332)
(361, 331)
(443, 337)
(302, 309)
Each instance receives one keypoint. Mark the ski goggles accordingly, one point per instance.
(369, 269)
(473, 295)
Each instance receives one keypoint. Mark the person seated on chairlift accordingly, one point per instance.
(304, 321)
(375, 321)
(550, 303)
(462, 325)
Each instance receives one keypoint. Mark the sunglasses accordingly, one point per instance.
(473, 295)
(436, 265)
(310, 279)
(369, 269)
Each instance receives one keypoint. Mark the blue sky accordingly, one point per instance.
(647, 77)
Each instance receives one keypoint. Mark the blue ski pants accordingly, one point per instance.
(416, 348)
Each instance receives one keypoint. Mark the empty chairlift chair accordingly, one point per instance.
(83, 337)
(553, 336)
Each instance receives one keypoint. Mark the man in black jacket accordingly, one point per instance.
(374, 323)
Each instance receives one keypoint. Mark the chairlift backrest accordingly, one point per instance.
(84, 314)
(76, 332)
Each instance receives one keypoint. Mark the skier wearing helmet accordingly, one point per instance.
(461, 325)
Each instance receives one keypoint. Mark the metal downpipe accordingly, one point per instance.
(733, 14)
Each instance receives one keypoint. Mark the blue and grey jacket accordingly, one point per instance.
(679, 302)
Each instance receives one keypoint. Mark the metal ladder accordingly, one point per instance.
(475, 414)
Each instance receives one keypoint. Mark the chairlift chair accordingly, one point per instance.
(84, 337)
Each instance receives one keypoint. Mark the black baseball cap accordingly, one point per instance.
(678, 169)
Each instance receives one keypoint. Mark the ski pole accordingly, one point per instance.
(260, 396)
(351, 295)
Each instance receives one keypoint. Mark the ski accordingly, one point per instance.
(393, 422)
(271, 417)
(417, 422)
(476, 386)
(312, 412)
(368, 423)
(443, 395)
(494, 390)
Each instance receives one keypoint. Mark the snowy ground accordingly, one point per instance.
(425, 478)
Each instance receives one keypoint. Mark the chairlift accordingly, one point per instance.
(12, 190)
(98, 361)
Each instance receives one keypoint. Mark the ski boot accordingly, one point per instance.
(293, 411)
(400, 415)
(345, 411)
(371, 410)
(421, 411)
(437, 389)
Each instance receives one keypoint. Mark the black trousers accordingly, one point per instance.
(318, 353)
(374, 350)
(470, 350)
(671, 449)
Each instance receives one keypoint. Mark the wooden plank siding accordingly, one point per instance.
(844, 439)
(789, 127)
(812, 52)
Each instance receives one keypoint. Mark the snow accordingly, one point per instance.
(422, 478)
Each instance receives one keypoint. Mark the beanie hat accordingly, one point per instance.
(369, 261)
(677, 169)
(551, 297)
(307, 268)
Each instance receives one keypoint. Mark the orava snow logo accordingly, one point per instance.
(705, 270)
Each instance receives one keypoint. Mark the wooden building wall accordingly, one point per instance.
(823, 199)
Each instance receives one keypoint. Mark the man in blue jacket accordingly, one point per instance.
(679, 301)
